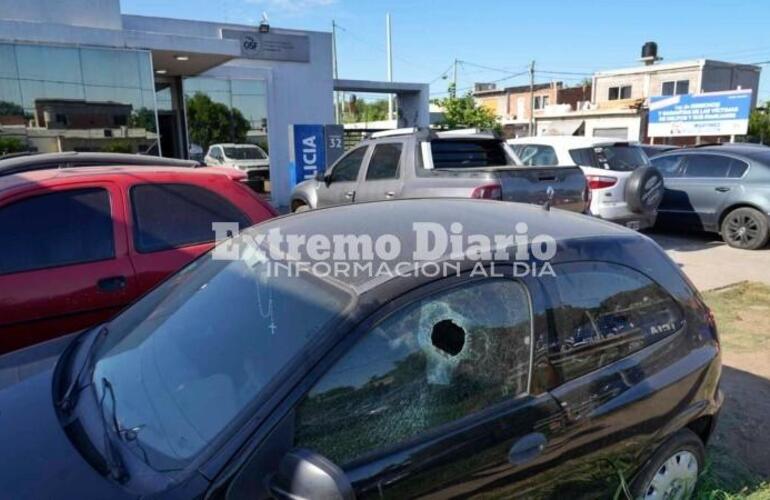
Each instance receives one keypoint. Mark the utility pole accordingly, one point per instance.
(454, 81)
(337, 114)
(531, 98)
(390, 63)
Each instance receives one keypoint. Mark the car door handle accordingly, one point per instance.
(527, 448)
(390, 194)
(350, 194)
(112, 284)
(722, 189)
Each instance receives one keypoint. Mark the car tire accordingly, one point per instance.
(644, 190)
(745, 228)
(299, 206)
(672, 471)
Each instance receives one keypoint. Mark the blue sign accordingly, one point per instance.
(712, 113)
(308, 153)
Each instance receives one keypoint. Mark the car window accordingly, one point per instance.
(466, 153)
(619, 157)
(607, 312)
(669, 166)
(711, 166)
(536, 154)
(431, 363)
(385, 162)
(346, 169)
(737, 168)
(173, 215)
(56, 229)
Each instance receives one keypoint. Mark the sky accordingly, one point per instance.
(496, 39)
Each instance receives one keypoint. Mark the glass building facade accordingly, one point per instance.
(56, 98)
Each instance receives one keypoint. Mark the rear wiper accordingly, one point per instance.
(70, 397)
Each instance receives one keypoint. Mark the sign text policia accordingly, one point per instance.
(712, 113)
(313, 148)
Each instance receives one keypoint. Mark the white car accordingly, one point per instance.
(625, 188)
(247, 157)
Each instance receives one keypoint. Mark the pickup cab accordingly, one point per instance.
(421, 163)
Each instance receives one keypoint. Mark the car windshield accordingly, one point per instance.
(184, 362)
(619, 157)
(245, 153)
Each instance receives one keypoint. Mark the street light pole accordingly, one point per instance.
(390, 63)
(531, 98)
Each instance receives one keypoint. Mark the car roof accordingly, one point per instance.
(234, 145)
(571, 141)
(396, 217)
(750, 152)
(22, 179)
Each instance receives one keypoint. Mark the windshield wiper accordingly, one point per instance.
(112, 455)
(69, 399)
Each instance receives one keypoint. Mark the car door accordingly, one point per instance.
(383, 179)
(339, 186)
(64, 261)
(705, 183)
(171, 224)
(673, 207)
(611, 334)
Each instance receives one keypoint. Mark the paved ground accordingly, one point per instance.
(710, 263)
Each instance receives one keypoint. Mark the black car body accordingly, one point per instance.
(718, 188)
(223, 384)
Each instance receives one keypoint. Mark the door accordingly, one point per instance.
(171, 224)
(383, 178)
(435, 400)
(64, 262)
(705, 184)
(608, 342)
(340, 185)
(674, 208)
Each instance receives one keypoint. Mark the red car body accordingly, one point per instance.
(40, 302)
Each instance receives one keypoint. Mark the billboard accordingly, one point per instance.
(711, 113)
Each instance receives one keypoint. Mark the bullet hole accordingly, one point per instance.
(448, 337)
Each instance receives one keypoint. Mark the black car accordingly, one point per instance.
(580, 357)
(718, 188)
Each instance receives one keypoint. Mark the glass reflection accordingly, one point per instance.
(76, 99)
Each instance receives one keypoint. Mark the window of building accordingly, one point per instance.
(385, 162)
(541, 101)
(346, 169)
(678, 87)
(607, 312)
(431, 363)
(621, 92)
(56, 229)
(174, 215)
(61, 119)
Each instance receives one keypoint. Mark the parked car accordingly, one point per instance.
(411, 163)
(723, 189)
(231, 380)
(652, 150)
(625, 188)
(247, 157)
(79, 241)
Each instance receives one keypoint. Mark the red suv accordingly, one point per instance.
(79, 243)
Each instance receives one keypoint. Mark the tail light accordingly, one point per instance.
(489, 192)
(587, 198)
(600, 181)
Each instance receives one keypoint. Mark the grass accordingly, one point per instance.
(742, 312)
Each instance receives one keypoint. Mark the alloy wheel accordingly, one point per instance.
(742, 230)
(675, 479)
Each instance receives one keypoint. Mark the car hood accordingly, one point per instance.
(37, 459)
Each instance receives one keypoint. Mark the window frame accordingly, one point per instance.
(399, 169)
(135, 222)
(111, 200)
(619, 89)
(675, 87)
(350, 338)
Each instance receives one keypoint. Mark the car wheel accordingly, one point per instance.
(672, 472)
(745, 228)
(299, 206)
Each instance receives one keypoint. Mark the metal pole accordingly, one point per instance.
(454, 80)
(390, 63)
(337, 117)
(531, 98)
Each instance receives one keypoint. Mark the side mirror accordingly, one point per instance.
(304, 474)
(322, 177)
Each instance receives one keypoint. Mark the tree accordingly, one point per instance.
(10, 145)
(462, 112)
(358, 110)
(142, 118)
(11, 109)
(212, 122)
(759, 124)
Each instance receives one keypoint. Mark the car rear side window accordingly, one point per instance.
(174, 215)
(669, 166)
(607, 312)
(620, 157)
(468, 153)
(707, 166)
(737, 169)
(346, 169)
(385, 162)
(56, 229)
(536, 154)
(431, 363)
